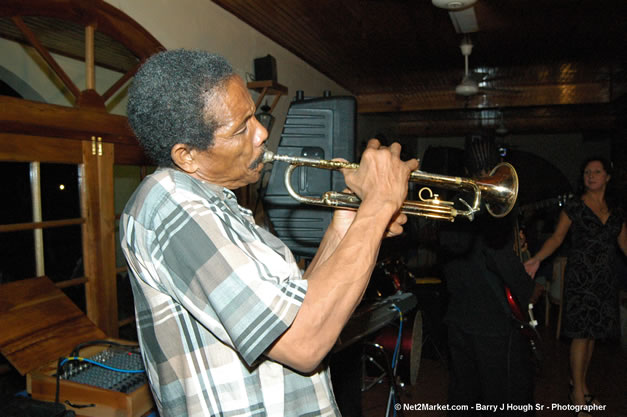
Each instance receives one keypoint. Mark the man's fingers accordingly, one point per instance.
(401, 218)
(395, 149)
(373, 144)
(395, 227)
(413, 164)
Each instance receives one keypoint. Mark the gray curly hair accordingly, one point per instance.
(170, 101)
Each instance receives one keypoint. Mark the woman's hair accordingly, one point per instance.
(171, 100)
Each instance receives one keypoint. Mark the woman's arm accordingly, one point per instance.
(551, 244)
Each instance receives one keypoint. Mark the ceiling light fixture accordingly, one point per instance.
(453, 4)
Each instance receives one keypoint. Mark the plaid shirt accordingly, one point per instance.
(212, 292)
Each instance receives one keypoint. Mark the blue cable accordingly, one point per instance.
(78, 358)
(397, 349)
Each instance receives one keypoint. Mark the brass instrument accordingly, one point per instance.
(499, 190)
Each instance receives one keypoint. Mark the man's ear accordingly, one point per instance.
(184, 157)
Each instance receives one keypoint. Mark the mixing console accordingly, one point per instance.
(111, 375)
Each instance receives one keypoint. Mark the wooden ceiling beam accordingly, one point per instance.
(121, 81)
(514, 125)
(41, 119)
(538, 95)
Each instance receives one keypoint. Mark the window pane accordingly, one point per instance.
(15, 194)
(60, 198)
(63, 253)
(76, 293)
(17, 255)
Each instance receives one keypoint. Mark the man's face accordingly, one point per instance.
(234, 159)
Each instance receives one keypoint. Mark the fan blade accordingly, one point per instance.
(478, 76)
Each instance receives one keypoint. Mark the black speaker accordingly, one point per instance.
(265, 68)
(319, 128)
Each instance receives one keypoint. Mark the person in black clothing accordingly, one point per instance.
(491, 360)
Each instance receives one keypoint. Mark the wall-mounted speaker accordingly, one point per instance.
(265, 68)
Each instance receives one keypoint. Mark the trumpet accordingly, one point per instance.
(499, 190)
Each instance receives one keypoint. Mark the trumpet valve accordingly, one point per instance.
(432, 198)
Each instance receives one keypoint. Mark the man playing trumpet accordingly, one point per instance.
(226, 323)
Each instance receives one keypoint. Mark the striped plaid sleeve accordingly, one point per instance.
(235, 284)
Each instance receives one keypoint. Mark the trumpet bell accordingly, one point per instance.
(500, 190)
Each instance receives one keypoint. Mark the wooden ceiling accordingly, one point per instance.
(67, 38)
(549, 66)
(59, 27)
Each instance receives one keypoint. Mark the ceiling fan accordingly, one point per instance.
(462, 14)
(470, 83)
(469, 86)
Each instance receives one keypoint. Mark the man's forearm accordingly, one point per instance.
(330, 241)
(337, 283)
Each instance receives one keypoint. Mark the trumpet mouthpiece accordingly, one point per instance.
(268, 156)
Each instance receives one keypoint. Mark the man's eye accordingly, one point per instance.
(242, 130)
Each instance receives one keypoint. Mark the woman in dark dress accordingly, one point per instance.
(590, 284)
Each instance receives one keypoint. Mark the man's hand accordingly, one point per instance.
(382, 177)
(343, 218)
(395, 227)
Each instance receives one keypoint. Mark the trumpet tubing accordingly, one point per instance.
(499, 189)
